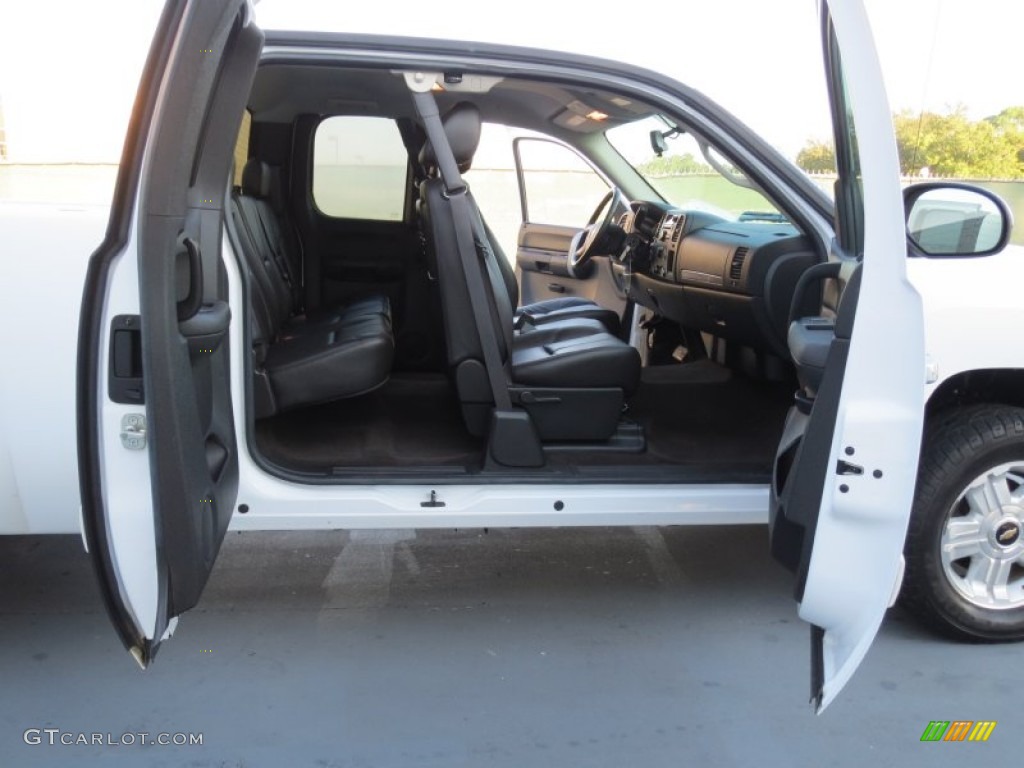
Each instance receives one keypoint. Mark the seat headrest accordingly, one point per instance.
(256, 178)
(462, 127)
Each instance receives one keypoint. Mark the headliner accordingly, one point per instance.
(282, 91)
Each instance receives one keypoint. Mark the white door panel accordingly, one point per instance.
(157, 455)
(841, 501)
(131, 527)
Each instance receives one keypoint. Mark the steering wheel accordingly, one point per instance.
(586, 243)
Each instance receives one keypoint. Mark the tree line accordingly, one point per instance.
(675, 165)
(932, 144)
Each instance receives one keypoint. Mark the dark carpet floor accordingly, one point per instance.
(697, 416)
(701, 413)
(413, 420)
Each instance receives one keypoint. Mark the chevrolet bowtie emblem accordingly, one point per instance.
(1008, 533)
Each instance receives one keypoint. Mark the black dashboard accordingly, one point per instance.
(733, 279)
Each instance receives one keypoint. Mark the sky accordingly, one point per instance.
(67, 88)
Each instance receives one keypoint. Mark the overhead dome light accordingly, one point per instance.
(597, 115)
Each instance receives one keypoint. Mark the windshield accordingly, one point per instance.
(688, 177)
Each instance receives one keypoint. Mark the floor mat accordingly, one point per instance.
(702, 423)
(702, 413)
(696, 416)
(413, 420)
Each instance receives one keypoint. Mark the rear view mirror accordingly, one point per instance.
(658, 143)
(952, 219)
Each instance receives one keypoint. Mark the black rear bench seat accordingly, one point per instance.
(337, 353)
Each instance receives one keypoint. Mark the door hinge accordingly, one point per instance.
(133, 431)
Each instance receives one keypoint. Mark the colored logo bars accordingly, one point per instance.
(958, 730)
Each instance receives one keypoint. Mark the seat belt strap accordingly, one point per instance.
(462, 215)
(279, 258)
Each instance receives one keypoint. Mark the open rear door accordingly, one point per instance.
(846, 467)
(158, 463)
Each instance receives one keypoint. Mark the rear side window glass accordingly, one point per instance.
(360, 168)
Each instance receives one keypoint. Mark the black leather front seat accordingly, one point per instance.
(572, 376)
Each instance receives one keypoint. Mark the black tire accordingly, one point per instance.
(959, 445)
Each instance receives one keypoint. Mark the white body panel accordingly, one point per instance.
(973, 312)
(279, 506)
(44, 252)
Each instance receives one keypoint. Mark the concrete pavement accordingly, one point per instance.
(570, 647)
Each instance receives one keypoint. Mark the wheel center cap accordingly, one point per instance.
(1008, 533)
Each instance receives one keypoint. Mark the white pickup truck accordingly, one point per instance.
(296, 316)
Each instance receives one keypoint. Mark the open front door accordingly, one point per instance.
(158, 463)
(846, 467)
(559, 192)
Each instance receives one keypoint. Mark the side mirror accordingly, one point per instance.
(658, 143)
(953, 219)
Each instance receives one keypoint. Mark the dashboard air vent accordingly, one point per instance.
(736, 265)
(678, 228)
